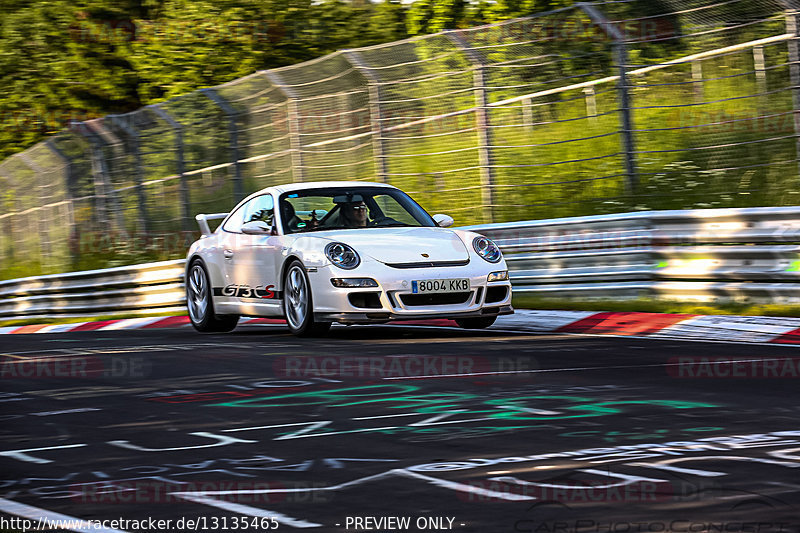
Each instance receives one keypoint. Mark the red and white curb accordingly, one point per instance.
(755, 329)
(125, 323)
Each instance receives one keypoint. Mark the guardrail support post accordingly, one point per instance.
(375, 114)
(232, 114)
(626, 116)
(483, 123)
(177, 128)
(124, 124)
(298, 174)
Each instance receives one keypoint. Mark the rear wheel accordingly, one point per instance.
(201, 305)
(298, 307)
(476, 323)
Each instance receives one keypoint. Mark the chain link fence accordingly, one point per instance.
(597, 108)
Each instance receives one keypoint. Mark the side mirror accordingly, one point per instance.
(443, 221)
(256, 227)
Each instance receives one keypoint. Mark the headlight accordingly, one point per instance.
(349, 283)
(487, 249)
(342, 256)
(500, 275)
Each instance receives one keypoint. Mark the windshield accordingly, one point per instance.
(350, 208)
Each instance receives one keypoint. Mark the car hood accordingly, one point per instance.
(405, 245)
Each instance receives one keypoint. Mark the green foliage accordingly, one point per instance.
(62, 60)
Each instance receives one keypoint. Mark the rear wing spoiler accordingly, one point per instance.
(202, 221)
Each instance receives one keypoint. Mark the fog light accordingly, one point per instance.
(500, 275)
(353, 283)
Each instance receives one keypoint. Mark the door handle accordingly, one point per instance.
(228, 253)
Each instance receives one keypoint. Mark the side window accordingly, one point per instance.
(234, 222)
(259, 208)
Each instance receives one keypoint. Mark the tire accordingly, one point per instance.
(201, 304)
(298, 305)
(476, 323)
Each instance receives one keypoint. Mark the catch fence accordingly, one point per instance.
(600, 107)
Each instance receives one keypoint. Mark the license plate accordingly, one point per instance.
(428, 286)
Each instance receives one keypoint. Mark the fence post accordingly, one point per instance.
(232, 114)
(102, 182)
(177, 128)
(792, 27)
(483, 123)
(275, 79)
(138, 175)
(43, 219)
(626, 116)
(375, 114)
(68, 176)
(620, 52)
(6, 227)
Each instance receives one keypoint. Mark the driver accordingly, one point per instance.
(354, 214)
(290, 219)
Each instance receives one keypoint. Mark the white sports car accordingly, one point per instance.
(338, 251)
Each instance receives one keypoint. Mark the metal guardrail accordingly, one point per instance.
(700, 255)
(135, 289)
(750, 254)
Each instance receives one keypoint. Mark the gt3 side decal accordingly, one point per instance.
(259, 292)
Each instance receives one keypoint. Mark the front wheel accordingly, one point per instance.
(298, 305)
(200, 304)
(476, 323)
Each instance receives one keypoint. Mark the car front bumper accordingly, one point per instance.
(390, 300)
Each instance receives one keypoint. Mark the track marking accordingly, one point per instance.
(22, 455)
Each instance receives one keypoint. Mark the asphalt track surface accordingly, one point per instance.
(399, 428)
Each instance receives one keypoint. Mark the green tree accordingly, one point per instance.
(51, 74)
